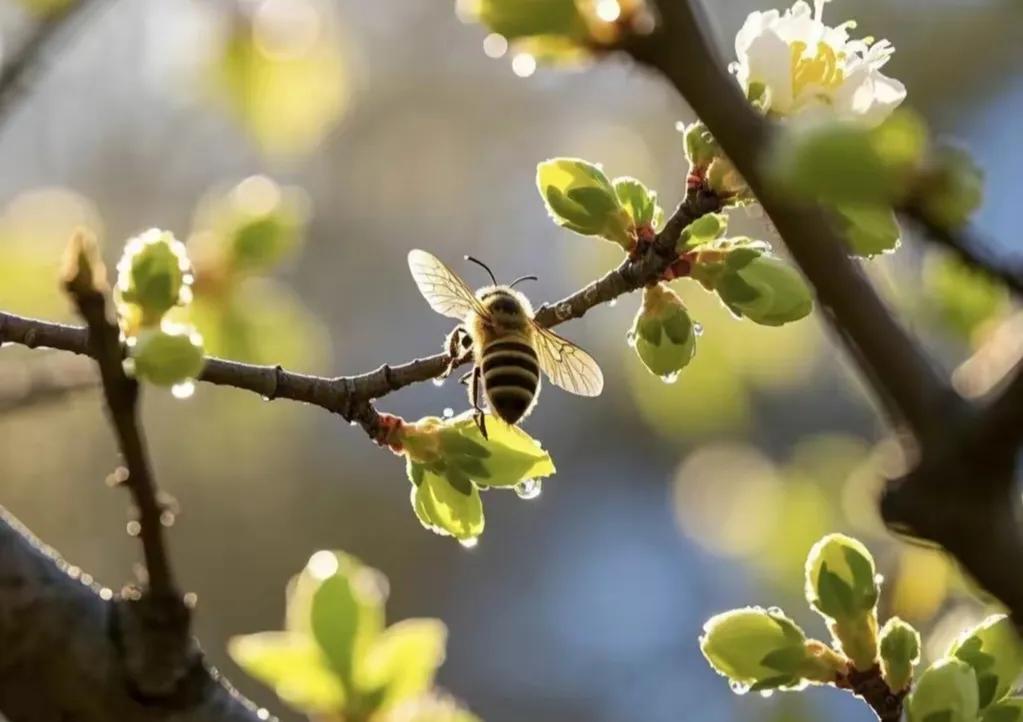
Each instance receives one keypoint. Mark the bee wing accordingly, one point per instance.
(567, 365)
(446, 293)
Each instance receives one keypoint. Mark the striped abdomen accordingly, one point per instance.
(511, 376)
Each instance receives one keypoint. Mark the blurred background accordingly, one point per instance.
(360, 130)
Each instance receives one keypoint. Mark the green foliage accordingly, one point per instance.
(900, 652)
(1009, 709)
(335, 657)
(526, 18)
(993, 650)
(751, 282)
(167, 355)
(961, 297)
(580, 197)
(663, 334)
(868, 229)
(701, 148)
(153, 276)
(951, 188)
(702, 231)
(945, 692)
(639, 202)
(448, 462)
(841, 584)
(762, 649)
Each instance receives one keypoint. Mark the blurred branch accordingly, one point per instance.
(962, 492)
(971, 250)
(64, 645)
(352, 396)
(26, 61)
(25, 385)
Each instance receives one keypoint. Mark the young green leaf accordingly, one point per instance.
(705, 229)
(900, 652)
(951, 189)
(841, 584)
(869, 230)
(523, 18)
(168, 355)
(993, 650)
(639, 202)
(580, 197)
(1009, 709)
(445, 500)
(662, 333)
(294, 666)
(508, 457)
(153, 275)
(946, 691)
(402, 661)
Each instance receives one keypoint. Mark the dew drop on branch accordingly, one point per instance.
(438, 381)
(613, 302)
(133, 528)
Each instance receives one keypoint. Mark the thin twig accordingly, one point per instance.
(352, 396)
(971, 250)
(85, 283)
(26, 61)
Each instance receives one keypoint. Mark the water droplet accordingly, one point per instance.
(184, 390)
(190, 599)
(879, 579)
(697, 329)
(87, 579)
(529, 488)
(132, 340)
(323, 564)
(775, 611)
(5, 344)
(613, 302)
(438, 381)
(263, 713)
(106, 594)
(739, 687)
(765, 693)
(167, 518)
(266, 398)
(630, 338)
(670, 378)
(133, 528)
(469, 542)
(448, 412)
(74, 572)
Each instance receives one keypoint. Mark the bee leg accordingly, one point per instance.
(459, 347)
(464, 380)
(474, 394)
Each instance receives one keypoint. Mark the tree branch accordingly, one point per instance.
(26, 61)
(352, 397)
(962, 491)
(64, 640)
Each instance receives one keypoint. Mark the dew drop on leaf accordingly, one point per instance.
(630, 338)
(469, 542)
(697, 329)
(529, 488)
(448, 412)
(739, 687)
(775, 611)
(670, 378)
(184, 390)
(765, 693)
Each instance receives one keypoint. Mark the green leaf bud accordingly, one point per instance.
(945, 692)
(518, 18)
(841, 584)
(868, 229)
(900, 652)
(763, 649)
(169, 355)
(951, 189)
(154, 275)
(663, 334)
(1009, 709)
(705, 229)
(701, 147)
(993, 650)
(639, 202)
(580, 197)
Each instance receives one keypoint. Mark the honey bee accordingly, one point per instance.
(507, 346)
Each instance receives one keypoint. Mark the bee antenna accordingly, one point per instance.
(484, 266)
(522, 278)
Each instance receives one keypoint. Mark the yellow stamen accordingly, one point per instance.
(822, 69)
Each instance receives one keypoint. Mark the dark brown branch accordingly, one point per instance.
(352, 396)
(27, 385)
(870, 686)
(971, 250)
(63, 643)
(962, 492)
(26, 60)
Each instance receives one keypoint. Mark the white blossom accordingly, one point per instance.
(795, 65)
